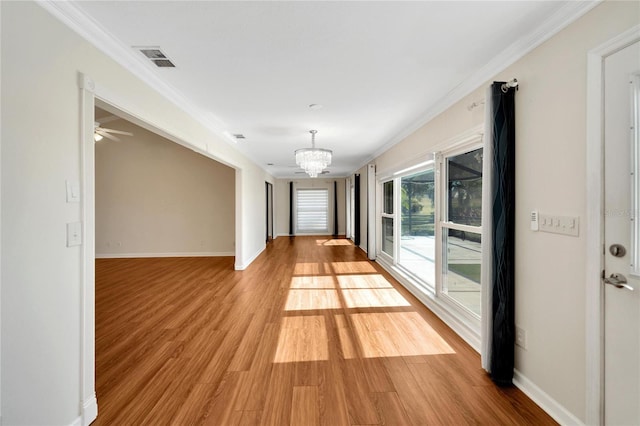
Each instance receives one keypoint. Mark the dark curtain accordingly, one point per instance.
(503, 208)
(335, 208)
(356, 211)
(290, 208)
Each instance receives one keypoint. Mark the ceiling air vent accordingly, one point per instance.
(155, 55)
(163, 63)
(238, 136)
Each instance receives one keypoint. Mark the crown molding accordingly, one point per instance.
(92, 31)
(566, 15)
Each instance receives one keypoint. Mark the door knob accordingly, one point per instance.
(618, 281)
(617, 250)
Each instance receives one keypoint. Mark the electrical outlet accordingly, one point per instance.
(521, 338)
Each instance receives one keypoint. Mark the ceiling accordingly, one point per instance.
(378, 69)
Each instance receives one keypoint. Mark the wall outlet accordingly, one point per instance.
(521, 337)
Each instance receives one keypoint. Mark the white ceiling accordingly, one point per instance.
(378, 68)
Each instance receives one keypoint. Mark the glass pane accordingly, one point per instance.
(388, 197)
(464, 173)
(462, 257)
(417, 244)
(387, 235)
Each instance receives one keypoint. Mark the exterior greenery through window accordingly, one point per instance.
(461, 230)
(417, 243)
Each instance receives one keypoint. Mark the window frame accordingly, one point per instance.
(442, 224)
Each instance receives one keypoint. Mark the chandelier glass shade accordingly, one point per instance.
(313, 160)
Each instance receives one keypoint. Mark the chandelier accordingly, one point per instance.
(313, 160)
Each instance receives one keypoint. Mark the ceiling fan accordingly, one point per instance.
(100, 132)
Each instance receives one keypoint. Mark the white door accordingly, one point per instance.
(621, 236)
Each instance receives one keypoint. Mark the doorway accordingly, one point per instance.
(269, 211)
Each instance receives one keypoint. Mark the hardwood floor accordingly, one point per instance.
(312, 333)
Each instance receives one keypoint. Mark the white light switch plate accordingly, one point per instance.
(565, 225)
(73, 192)
(74, 234)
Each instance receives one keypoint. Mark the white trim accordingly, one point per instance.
(87, 261)
(89, 410)
(173, 254)
(466, 331)
(77, 422)
(92, 31)
(594, 228)
(242, 266)
(506, 57)
(371, 212)
(546, 402)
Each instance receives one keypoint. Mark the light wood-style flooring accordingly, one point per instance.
(312, 333)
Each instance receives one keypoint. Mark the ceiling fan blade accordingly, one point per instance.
(107, 135)
(107, 119)
(117, 132)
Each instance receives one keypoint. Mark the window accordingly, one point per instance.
(417, 228)
(461, 229)
(431, 227)
(312, 210)
(387, 218)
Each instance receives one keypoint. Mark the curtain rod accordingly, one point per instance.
(505, 88)
(509, 84)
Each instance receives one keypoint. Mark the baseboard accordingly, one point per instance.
(546, 402)
(90, 410)
(177, 254)
(243, 266)
(89, 413)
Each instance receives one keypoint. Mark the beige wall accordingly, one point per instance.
(550, 177)
(42, 284)
(154, 197)
(281, 191)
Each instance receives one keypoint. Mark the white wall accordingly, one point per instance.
(40, 276)
(155, 197)
(281, 191)
(550, 176)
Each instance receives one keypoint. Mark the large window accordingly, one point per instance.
(431, 227)
(312, 210)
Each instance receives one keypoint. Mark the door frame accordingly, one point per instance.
(269, 211)
(594, 310)
(90, 94)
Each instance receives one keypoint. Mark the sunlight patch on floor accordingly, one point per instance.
(373, 298)
(363, 281)
(392, 334)
(332, 242)
(302, 339)
(318, 282)
(309, 299)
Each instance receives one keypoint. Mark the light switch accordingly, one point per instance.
(74, 234)
(565, 225)
(73, 191)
